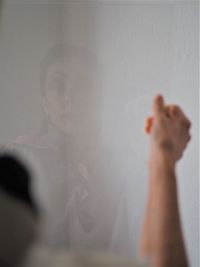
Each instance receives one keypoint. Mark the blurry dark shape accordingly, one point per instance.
(15, 179)
(18, 223)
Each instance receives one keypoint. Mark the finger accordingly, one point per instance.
(158, 105)
(184, 118)
(177, 113)
(173, 112)
(148, 124)
(167, 111)
(188, 138)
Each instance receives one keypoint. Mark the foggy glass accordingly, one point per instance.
(77, 80)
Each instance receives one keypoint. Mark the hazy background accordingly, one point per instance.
(141, 48)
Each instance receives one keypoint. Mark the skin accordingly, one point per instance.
(162, 239)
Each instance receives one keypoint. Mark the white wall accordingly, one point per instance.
(142, 48)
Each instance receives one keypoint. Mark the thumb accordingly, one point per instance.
(158, 105)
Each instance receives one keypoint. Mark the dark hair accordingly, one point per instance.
(15, 179)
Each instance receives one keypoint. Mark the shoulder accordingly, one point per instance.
(31, 140)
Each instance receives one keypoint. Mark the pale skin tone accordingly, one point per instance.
(162, 239)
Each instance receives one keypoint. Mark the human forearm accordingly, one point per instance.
(167, 243)
(162, 238)
(145, 246)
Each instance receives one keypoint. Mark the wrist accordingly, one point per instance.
(162, 159)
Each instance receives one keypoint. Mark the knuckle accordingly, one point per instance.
(179, 108)
(189, 124)
(186, 123)
(176, 112)
(189, 137)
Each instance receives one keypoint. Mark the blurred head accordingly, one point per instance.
(17, 211)
(15, 180)
(69, 88)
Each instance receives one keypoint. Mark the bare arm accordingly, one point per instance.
(145, 246)
(167, 245)
(162, 238)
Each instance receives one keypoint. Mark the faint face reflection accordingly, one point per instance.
(70, 95)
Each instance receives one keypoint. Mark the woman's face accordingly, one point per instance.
(69, 96)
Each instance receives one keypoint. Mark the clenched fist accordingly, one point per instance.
(169, 131)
